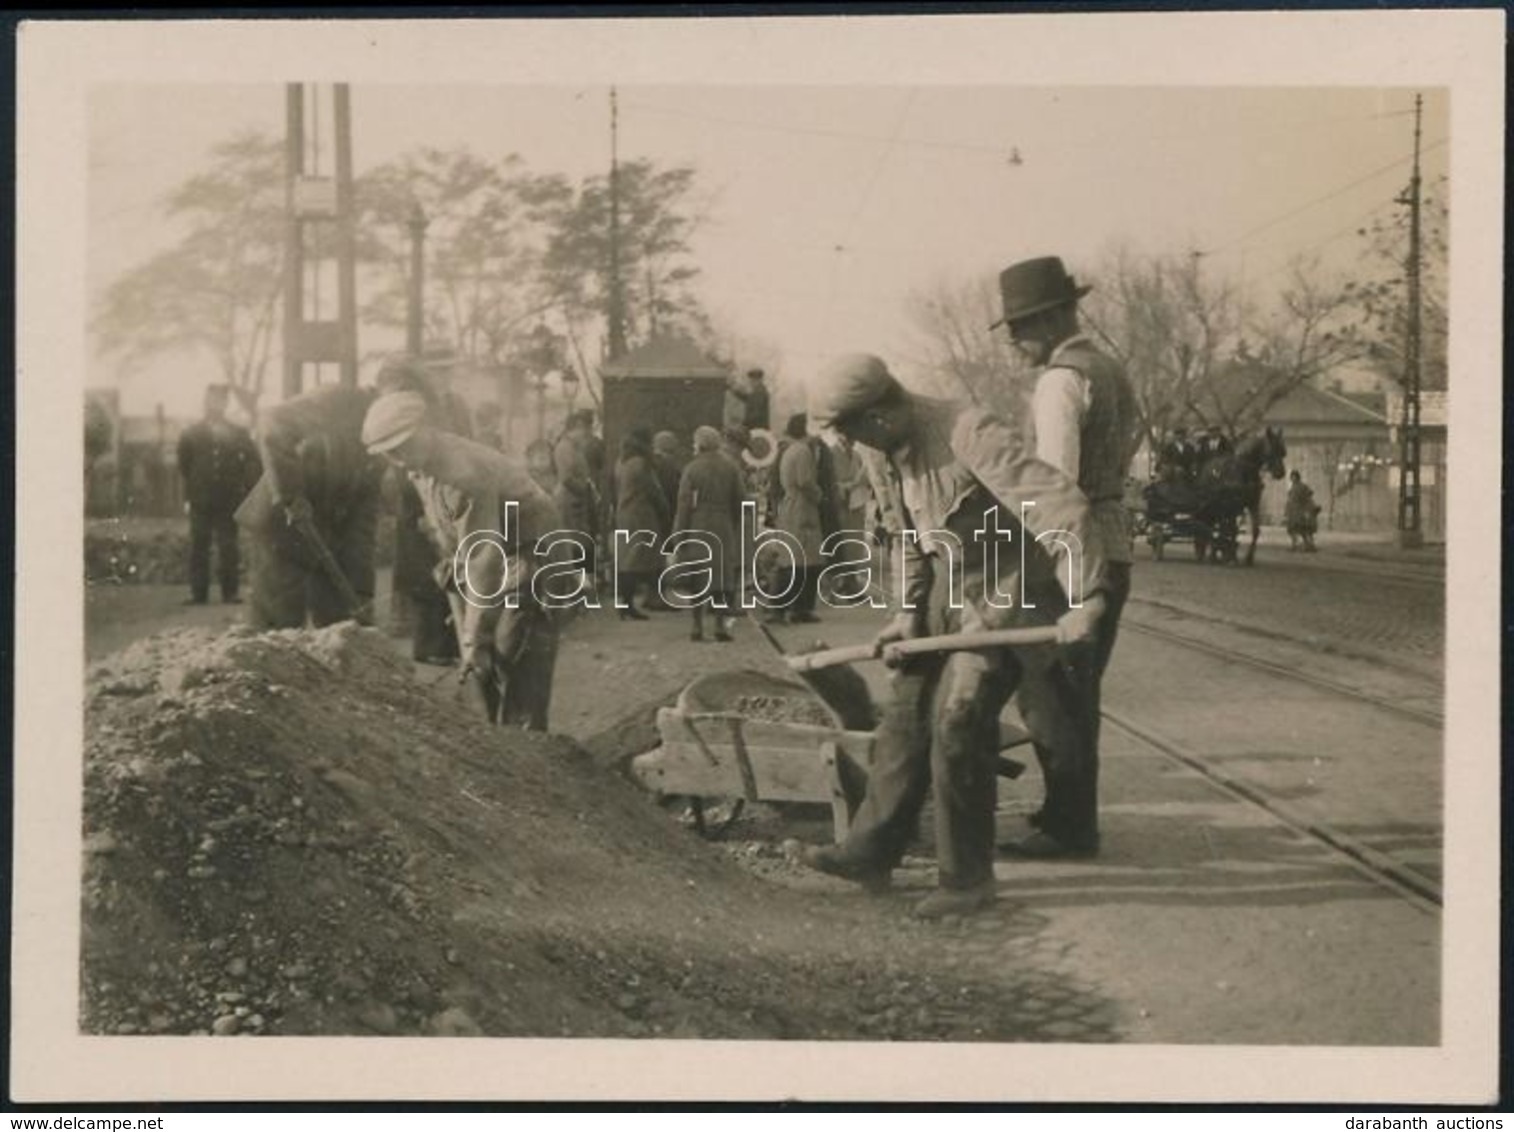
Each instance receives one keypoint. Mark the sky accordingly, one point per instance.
(829, 206)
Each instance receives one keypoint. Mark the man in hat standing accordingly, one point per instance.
(219, 463)
(312, 518)
(507, 636)
(959, 481)
(1084, 413)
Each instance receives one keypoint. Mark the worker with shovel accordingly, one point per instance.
(487, 518)
(312, 517)
(962, 480)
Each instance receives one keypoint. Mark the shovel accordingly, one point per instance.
(916, 646)
(356, 606)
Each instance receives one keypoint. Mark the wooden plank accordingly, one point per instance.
(780, 774)
(841, 813)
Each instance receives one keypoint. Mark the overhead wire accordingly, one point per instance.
(1228, 245)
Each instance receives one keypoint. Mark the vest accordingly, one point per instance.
(1102, 464)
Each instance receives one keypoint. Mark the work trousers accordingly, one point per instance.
(939, 728)
(288, 581)
(207, 524)
(801, 587)
(1061, 709)
(513, 684)
(427, 613)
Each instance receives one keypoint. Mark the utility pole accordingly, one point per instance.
(309, 198)
(616, 299)
(1410, 534)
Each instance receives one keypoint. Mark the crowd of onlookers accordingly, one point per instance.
(665, 483)
(721, 483)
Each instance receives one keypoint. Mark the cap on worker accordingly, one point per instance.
(665, 443)
(392, 420)
(846, 385)
(706, 439)
(1035, 285)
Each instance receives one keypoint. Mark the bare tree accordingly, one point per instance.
(1200, 350)
(1173, 325)
(954, 347)
(217, 289)
(486, 230)
(657, 215)
(1383, 296)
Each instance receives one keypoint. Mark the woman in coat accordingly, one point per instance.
(1300, 513)
(799, 515)
(639, 506)
(710, 494)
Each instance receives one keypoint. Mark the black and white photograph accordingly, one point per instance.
(840, 558)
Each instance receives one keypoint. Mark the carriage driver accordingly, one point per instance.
(1084, 412)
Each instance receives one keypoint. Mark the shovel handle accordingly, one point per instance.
(915, 646)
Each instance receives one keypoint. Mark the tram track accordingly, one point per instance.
(1404, 881)
(1426, 716)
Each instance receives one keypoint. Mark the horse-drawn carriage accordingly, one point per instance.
(1199, 498)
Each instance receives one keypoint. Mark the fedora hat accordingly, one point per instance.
(1035, 285)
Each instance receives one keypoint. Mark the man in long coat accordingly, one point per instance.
(219, 463)
(799, 516)
(640, 508)
(317, 477)
(708, 523)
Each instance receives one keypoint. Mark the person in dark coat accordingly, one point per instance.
(668, 462)
(799, 514)
(1300, 513)
(709, 497)
(424, 612)
(316, 475)
(219, 463)
(752, 395)
(640, 506)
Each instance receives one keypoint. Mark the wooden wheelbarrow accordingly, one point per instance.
(750, 737)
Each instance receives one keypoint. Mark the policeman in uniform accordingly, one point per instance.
(219, 463)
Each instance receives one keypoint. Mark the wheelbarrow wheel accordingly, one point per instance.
(714, 827)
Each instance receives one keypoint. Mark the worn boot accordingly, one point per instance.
(957, 901)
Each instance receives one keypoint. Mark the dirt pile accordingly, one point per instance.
(288, 834)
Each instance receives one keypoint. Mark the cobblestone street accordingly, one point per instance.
(1390, 613)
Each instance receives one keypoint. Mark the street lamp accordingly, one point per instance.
(416, 222)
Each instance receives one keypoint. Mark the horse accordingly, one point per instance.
(1230, 483)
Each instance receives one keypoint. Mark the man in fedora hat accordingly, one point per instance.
(957, 482)
(1083, 411)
